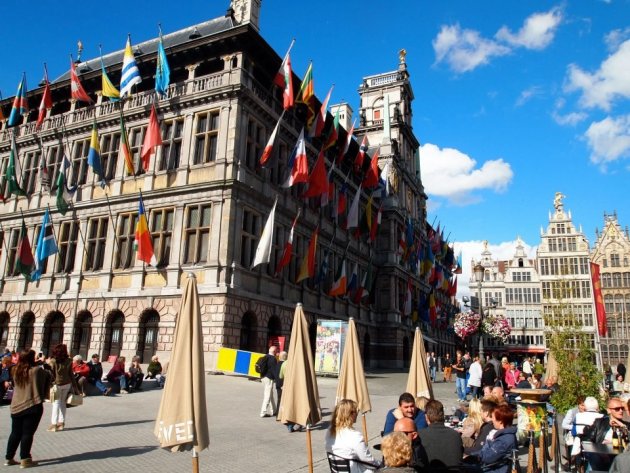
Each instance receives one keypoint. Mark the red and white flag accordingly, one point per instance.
(284, 80)
(269, 147)
(320, 120)
(298, 163)
(77, 91)
(360, 157)
(288, 248)
(46, 103)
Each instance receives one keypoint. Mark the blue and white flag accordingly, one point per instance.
(162, 71)
(46, 246)
(130, 75)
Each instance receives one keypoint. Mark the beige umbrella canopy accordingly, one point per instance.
(419, 382)
(182, 421)
(300, 397)
(352, 383)
(552, 366)
(626, 381)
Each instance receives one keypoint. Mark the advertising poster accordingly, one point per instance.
(530, 416)
(331, 335)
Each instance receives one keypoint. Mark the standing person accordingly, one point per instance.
(511, 376)
(344, 441)
(538, 367)
(267, 376)
(61, 366)
(460, 376)
(494, 361)
(282, 357)
(31, 387)
(96, 374)
(488, 376)
(474, 381)
(447, 367)
(432, 366)
(527, 367)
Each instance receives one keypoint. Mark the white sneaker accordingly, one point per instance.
(124, 391)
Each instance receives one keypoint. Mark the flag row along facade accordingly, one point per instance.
(562, 279)
(206, 199)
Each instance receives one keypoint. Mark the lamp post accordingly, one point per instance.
(479, 271)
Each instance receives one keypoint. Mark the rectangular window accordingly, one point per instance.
(171, 149)
(67, 243)
(30, 167)
(110, 148)
(96, 243)
(125, 237)
(55, 158)
(162, 234)
(249, 238)
(206, 137)
(13, 247)
(255, 144)
(197, 234)
(136, 136)
(78, 174)
(614, 260)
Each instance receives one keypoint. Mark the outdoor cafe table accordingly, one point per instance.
(604, 451)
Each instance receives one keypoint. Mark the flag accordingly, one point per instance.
(94, 155)
(269, 147)
(64, 195)
(452, 290)
(372, 175)
(298, 163)
(44, 177)
(284, 80)
(383, 180)
(365, 287)
(265, 244)
(20, 104)
(130, 75)
(77, 91)
(124, 146)
(143, 241)
(458, 267)
(306, 94)
(353, 282)
(152, 138)
(343, 150)
(288, 248)
(46, 246)
(307, 268)
(353, 214)
(600, 309)
(407, 306)
(333, 133)
(339, 286)
(318, 180)
(13, 174)
(432, 309)
(24, 262)
(365, 225)
(360, 157)
(342, 199)
(46, 103)
(108, 89)
(375, 225)
(320, 120)
(323, 269)
(162, 71)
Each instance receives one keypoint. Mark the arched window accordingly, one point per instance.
(608, 302)
(616, 279)
(53, 331)
(148, 337)
(27, 328)
(606, 280)
(113, 333)
(82, 334)
(626, 279)
(248, 332)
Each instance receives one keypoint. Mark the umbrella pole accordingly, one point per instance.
(195, 461)
(309, 448)
(365, 435)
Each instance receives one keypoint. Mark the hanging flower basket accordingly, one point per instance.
(466, 323)
(496, 326)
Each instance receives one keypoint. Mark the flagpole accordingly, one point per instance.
(6, 252)
(114, 225)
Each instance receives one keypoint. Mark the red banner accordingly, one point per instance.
(599, 301)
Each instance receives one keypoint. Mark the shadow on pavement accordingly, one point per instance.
(100, 455)
(111, 424)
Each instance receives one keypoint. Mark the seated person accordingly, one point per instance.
(396, 448)
(522, 382)
(618, 384)
(601, 431)
(81, 371)
(500, 443)
(487, 408)
(118, 375)
(135, 374)
(6, 376)
(471, 425)
(408, 427)
(406, 408)
(442, 444)
(96, 374)
(154, 371)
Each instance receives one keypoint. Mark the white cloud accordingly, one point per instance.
(609, 139)
(528, 94)
(570, 119)
(464, 50)
(614, 39)
(537, 31)
(604, 86)
(472, 250)
(449, 173)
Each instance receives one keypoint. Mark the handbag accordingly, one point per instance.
(52, 396)
(74, 400)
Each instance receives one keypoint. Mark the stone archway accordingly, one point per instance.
(148, 335)
(82, 334)
(248, 332)
(274, 330)
(4, 328)
(53, 331)
(113, 334)
(26, 331)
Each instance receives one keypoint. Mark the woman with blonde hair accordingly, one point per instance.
(397, 453)
(344, 441)
(472, 424)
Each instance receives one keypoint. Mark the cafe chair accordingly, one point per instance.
(339, 464)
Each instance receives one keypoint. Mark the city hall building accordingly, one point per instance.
(207, 200)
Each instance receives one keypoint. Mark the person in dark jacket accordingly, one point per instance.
(502, 443)
(487, 408)
(268, 376)
(408, 427)
(96, 374)
(522, 382)
(599, 430)
(443, 445)
(488, 376)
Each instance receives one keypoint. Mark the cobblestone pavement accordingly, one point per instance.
(111, 434)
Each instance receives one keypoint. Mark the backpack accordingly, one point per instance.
(261, 366)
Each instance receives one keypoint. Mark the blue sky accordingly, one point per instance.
(513, 100)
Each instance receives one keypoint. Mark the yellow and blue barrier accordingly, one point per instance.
(238, 361)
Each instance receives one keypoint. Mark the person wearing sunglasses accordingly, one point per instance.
(602, 428)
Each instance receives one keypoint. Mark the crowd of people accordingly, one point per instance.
(29, 380)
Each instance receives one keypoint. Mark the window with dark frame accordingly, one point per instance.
(136, 136)
(30, 169)
(255, 143)
(67, 244)
(125, 237)
(249, 237)
(171, 149)
(206, 137)
(79, 166)
(96, 243)
(54, 161)
(110, 148)
(162, 234)
(197, 233)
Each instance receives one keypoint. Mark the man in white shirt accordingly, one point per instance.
(527, 367)
(474, 380)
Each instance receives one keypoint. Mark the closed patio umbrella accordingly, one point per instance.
(352, 383)
(419, 382)
(552, 366)
(182, 420)
(300, 396)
